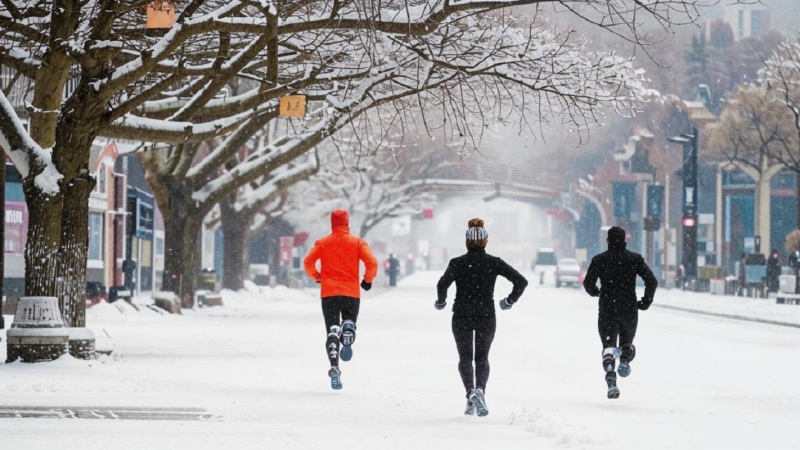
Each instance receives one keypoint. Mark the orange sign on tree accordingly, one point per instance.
(292, 106)
(160, 14)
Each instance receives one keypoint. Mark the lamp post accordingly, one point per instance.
(689, 222)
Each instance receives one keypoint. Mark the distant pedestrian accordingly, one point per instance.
(392, 267)
(618, 317)
(474, 320)
(339, 254)
(794, 261)
(773, 271)
(742, 274)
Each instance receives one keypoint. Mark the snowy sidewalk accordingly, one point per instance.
(763, 310)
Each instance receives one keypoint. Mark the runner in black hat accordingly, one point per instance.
(617, 269)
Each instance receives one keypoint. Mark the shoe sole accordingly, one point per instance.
(348, 337)
(624, 370)
(336, 381)
(613, 392)
(480, 406)
(346, 353)
(336, 384)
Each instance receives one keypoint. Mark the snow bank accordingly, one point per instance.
(762, 309)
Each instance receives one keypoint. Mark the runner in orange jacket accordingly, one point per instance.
(339, 254)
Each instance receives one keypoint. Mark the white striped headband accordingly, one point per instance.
(477, 234)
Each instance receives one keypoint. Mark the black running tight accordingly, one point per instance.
(474, 336)
(337, 309)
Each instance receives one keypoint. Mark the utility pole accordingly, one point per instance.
(689, 222)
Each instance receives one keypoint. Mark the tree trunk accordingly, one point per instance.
(763, 222)
(57, 248)
(74, 249)
(180, 262)
(235, 230)
(182, 226)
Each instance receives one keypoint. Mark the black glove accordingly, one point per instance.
(365, 286)
(506, 304)
(644, 303)
(440, 304)
(595, 293)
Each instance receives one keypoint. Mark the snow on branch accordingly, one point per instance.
(17, 145)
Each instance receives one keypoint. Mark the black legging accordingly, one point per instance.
(467, 329)
(613, 323)
(336, 310)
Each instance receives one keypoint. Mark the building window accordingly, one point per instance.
(144, 220)
(208, 241)
(101, 180)
(755, 22)
(159, 246)
(96, 236)
(741, 23)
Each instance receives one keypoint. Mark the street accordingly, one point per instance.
(252, 374)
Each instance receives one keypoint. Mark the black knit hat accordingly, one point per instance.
(616, 235)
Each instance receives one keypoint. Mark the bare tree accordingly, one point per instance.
(749, 135)
(781, 75)
(379, 178)
(89, 69)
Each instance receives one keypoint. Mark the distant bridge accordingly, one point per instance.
(492, 190)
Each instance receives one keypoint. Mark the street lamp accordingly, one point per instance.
(689, 222)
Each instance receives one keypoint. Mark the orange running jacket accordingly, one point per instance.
(339, 254)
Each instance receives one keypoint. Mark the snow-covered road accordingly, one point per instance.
(258, 367)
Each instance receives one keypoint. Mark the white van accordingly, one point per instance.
(545, 266)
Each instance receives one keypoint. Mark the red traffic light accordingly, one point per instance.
(689, 221)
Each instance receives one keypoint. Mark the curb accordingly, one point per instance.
(730, 316)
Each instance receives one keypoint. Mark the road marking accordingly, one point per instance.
(114, 413)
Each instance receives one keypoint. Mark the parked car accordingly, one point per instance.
(545, 264)
(568, 272)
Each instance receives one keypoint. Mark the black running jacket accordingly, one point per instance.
(475, 274)
(617, 269)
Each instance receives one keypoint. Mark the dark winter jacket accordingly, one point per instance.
(475, 274)
(617, 269)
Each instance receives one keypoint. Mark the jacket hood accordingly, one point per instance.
(340, 218)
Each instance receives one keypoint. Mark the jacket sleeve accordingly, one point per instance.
(445, 282)
(370, 263)
(511, 274)
(590, 280)
(650, 281)
(310, 262)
